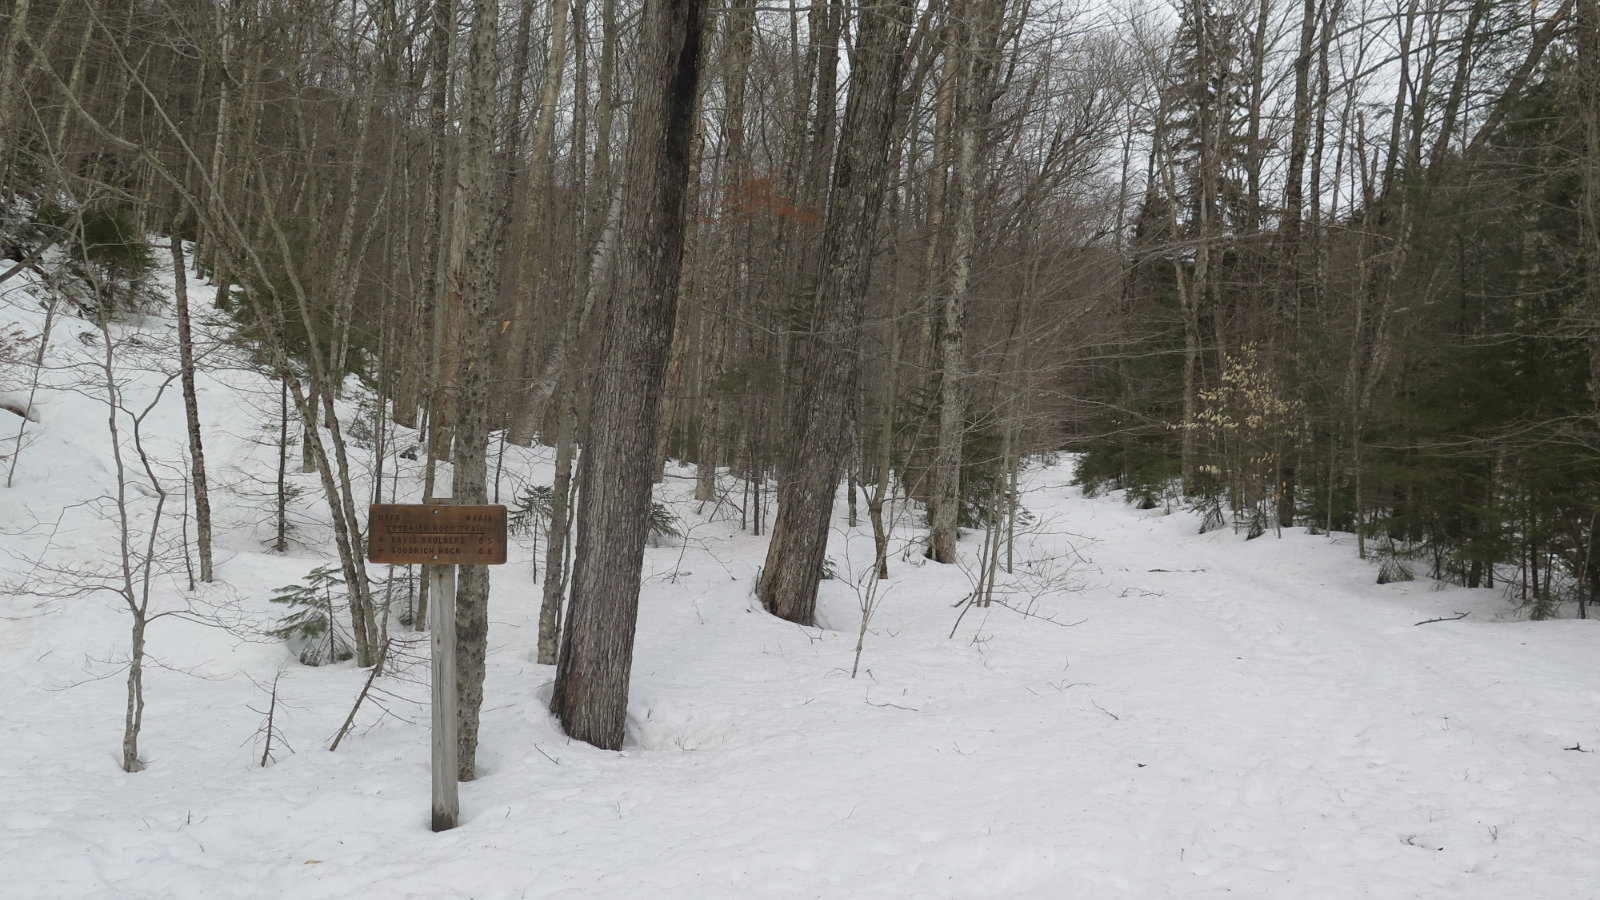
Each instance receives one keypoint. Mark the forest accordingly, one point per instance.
(1330, 264)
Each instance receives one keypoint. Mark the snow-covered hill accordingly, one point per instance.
(1154, 713)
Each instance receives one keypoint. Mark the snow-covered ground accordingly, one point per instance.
(1155, 713)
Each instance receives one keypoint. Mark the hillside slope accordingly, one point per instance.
(1154, 713)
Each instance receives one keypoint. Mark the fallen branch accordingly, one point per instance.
(30, 261)
(1454, 618)
(377, 669)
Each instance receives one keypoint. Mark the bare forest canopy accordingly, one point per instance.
(1327, 263)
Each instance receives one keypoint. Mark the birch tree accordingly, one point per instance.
(974, 50)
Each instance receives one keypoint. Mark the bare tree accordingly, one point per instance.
(470, 292)
(191, 408)
(832, 365)
(975, 50)
(1588, 95)
(596, 240)
(10, 50)
(616, 471)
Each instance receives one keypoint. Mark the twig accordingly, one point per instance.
(377, 669)
(1453, 618)
(965, 603)
(1033, 615)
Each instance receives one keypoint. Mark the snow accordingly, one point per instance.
(1155, 713)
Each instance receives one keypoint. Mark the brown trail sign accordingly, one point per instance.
(439, 536)
(436, 534)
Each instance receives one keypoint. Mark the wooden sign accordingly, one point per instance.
(439, 536)
(436, 534)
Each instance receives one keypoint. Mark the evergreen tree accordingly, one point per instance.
(310, 626)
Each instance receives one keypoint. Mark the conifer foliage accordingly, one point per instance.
(310, 625)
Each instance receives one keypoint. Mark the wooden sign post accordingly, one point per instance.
(439, 536)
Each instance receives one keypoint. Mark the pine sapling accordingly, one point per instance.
(310, 627)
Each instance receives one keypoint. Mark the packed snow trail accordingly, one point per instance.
(1221, 718)
(1305, 732)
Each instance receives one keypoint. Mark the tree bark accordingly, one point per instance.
(440, 244)
(730, 267)
(191, 407)
(1588, 97)
(16, 25)
(976, 45)
(832, 367)
(133, 716)
(555, 552)
(537, 193)
(591, 688)
(473, 288)
(599, 239)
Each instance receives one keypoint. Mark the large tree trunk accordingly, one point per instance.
(591, 689)
(473, 288)
(832, 366)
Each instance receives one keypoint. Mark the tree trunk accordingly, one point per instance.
(472, 290)
(597, 235)
(672, 399)
(1294, 176)
(976, 46)
(16, 25)
(1588, 95)
(832, 367)
(537, 193)
(133, 717)
(882, 458)
(440, 243)
(727, 282)
(197, 456)
(1290, 231)
(1458, 87)
(560, 537)
(938, 192)
(281, 543)
(591, 688)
